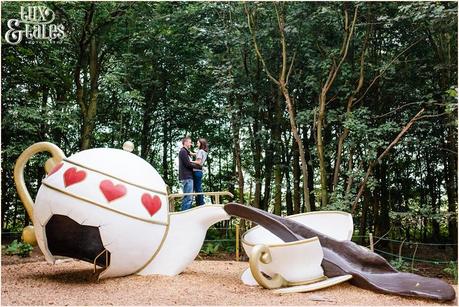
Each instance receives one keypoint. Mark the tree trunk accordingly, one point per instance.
(15, 214)
(364, 216)
(277, 141)
(210, 180)
(89, 117)
(304, 166)
(333, 72)
(296, 178)
(146, 131)
(422, 194)
(350, 178)
(249, 202)
(350, 101)
(320, 151)
(282, 84)
(277, 189)
(5, 201)
(450, 174)
(308, 158)
(165, 151)
(288, 195)
(431, 184)
(339, 152)
(88, 52)
(254, 130)
(256, 147)
(383, 222)
(442, 44)
(237, 152)
(268, 175)
(240, 173)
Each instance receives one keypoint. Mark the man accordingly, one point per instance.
(186, 172)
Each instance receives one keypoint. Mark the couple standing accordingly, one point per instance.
(190, 172)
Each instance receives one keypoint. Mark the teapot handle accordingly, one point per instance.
(261, 253)
(57, 156)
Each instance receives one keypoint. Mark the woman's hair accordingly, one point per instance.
(204, 146)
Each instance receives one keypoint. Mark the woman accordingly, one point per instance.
(201, 156)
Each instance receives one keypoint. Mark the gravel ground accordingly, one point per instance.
(202, 283)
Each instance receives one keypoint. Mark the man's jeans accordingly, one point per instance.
(187, 187)
(197, 181)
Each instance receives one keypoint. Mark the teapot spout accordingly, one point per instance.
(186, 233)
(207, 215)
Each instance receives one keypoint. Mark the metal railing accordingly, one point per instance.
(405, 243)
(216, 196)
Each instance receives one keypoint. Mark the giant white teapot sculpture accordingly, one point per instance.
(110, 207)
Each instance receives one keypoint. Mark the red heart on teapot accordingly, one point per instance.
(112, 191)
(55, 169)
(72, 176)
(152, 204)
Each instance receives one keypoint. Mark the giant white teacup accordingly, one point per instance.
(287, 264)
(294, 263)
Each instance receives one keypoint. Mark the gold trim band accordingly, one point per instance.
(278, 244)
(100, 254)
(102, 206)
(156, 252)
(306, 282)
(260, 254)
(318, 213)
(196, 208)
(114, 177)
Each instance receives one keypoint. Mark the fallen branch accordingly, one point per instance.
(381, 156)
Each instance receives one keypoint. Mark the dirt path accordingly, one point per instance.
(202, 283)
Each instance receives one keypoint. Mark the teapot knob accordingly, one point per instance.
(28, 235)
(128, 146)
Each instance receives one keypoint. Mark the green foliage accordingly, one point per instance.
(400, 265)
(339, 201)
(452, 92)
(219, 239)
(19, 248)
(210, 248)
(173, 68)
(452, 270)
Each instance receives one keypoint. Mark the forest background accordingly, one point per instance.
(306, 105)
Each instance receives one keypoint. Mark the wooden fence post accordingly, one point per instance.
(237, 242)
(372, 248)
